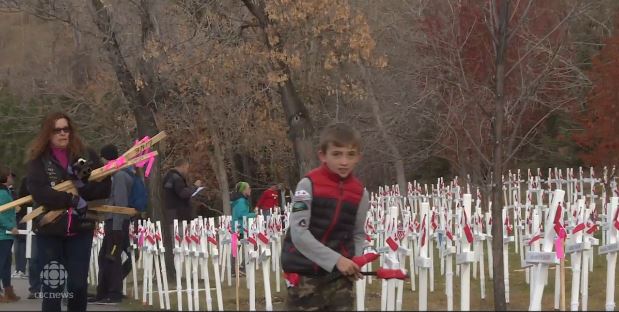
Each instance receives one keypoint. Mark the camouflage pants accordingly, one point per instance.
(321, 293)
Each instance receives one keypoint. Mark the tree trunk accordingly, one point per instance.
(397, 159)
(497, 162)
(216, 158)
(230, 156)
(139, 100)
(301, 131)
(300, 126)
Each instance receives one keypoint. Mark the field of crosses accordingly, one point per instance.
(417, 244)
(439, 235)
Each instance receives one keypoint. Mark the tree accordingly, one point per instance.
(503, 68)
(598, 120)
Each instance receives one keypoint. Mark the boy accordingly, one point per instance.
(326, 227)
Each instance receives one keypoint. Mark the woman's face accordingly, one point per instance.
(247, 191)
(60, 134)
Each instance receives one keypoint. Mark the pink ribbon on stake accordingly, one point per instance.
(149, 161)
(115, 163)
(560, 230)
(235, 242)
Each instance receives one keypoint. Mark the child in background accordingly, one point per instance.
(7, 223)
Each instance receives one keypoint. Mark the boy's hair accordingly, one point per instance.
(339, 134)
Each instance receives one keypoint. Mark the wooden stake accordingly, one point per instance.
(236, 263)
(563, 279)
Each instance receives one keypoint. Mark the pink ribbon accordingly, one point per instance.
(149, 161)
(560, 230)
(69, 219)
(115, 163)
(235, 242)
(423, 234)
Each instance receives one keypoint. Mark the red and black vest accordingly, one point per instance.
(335, 202)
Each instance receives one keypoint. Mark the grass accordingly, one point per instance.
(437, 300)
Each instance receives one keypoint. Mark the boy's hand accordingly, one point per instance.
(348, 268)
(14, 231)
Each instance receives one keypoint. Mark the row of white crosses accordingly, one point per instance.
(401, 231)
(197, 246)
(537, 228)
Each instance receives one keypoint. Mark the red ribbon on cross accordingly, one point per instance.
(534, 239)
(592, 228)
(211, 240)
(195, 239)
(400, 233)
(187, 237)
(508, 226)
(150, 239)
(578, 228)
(467, 228)
(449, 235)
(392, 243)
(263, 238)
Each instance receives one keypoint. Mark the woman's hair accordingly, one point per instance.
(241, 186)
(41, 142)
(4, 173)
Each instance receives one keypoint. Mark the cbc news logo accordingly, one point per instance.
(54, 275)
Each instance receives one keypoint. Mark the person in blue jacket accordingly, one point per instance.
(7, 223)
(240, 208)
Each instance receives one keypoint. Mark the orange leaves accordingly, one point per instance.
(276, 77)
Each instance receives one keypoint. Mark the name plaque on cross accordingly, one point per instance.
(542, 257)
(608, 248)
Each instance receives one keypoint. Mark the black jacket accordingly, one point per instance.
(177, 194)
(45, 171)
(334, 205)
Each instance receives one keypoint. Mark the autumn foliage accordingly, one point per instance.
(600, 135)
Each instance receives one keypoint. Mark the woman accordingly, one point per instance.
(7, 223)
(240, 209)
(240, 205)
(64, 241)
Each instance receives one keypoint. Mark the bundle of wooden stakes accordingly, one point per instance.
(139, 154)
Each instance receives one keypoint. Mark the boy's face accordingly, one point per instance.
(341, 160)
